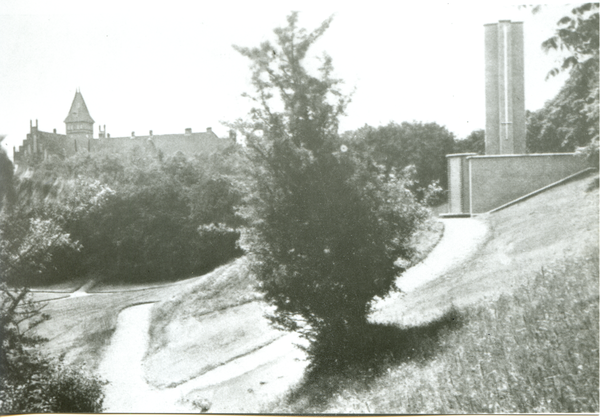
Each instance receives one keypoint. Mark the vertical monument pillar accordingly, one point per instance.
(504, 89)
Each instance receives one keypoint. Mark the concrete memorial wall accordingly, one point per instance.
(458, 183)
(497, 180)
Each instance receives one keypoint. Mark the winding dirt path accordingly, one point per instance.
(240, 386)
(461, 239)
(243, 385)
(127, 391)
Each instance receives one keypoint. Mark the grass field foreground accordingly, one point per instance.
(535, 351)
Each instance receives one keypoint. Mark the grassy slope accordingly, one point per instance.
(533, 352)
(461, 348)
(523, 239)
(221, 313)
(81, 328)
(205, 325)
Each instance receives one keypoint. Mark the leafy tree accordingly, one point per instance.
(578, 35)
(31, 383)
(138, 216)
(570, 120)
(396, 146)
(18, 314)
(29, 247)
(473, 143)
(309, 106)
(325, 226)
(153, 218)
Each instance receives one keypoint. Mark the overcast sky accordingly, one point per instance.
(169, 65)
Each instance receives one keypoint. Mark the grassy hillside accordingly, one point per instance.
(80, 328)
(515, 330)
(204, 325)
(536, 233)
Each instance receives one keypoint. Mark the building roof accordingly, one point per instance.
(79, 111)
(169, 144)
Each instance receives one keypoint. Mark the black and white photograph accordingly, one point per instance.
(305, 208)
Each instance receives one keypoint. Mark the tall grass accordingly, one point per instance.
(535, 351)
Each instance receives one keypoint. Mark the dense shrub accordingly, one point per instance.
(590, 153)
(325, 241)
(133, 217)
(434, 195)
(30, 382)
(34, 250)
(50, 387)
(327, 228)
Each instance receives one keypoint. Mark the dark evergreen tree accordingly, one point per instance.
(325, 227)
(7, 189)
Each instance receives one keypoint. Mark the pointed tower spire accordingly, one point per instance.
(80, 124)
(79, 112)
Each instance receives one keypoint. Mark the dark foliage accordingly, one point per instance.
(473, 143)
(397, 146)
(366, 354)
(327, 228)
(127, 218)
(34, 250)
(577, 34)
(570, 120)
(7, 191)
(30, 382)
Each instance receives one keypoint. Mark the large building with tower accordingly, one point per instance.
(79, 127)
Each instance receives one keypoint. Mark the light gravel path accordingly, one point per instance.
(244, 384)
(240, 386)
(127, 391)
(462, 237)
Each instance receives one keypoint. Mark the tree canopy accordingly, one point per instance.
(291, 103)
(570, 119)
(129, 217)
(396, 146)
